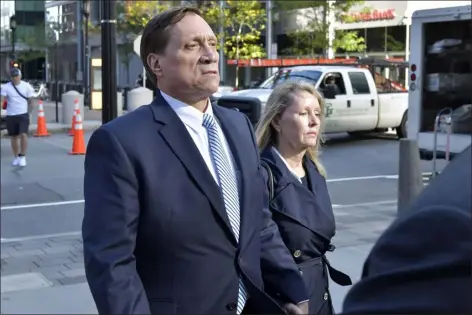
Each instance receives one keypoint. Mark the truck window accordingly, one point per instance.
(338, 83)
(447, 73)
(359, 83)
(311, 76)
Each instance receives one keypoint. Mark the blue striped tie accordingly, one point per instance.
(229, 189)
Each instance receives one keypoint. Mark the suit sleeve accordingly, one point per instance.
(279, 270)
(421, 264)
(109, 227)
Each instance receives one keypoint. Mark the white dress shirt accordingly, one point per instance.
(193, 121)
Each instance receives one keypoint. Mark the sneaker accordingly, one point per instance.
(22, 161)
(16, 161)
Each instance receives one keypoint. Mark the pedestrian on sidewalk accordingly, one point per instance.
(176, 219)
(20, 97)
(289, 135)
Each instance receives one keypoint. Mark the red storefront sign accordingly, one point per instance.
(374, 15)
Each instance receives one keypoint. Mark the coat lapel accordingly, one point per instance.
(286, 180)
(181, 143)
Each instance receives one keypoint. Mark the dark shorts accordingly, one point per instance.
(17, 124)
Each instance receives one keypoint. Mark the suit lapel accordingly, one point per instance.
(233, 135)
(176, 136)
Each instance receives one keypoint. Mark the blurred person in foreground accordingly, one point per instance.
(422, 264)
(175, 206)
(289, 136)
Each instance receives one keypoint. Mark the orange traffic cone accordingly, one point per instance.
(78, 143)
(41, 130)
(74, 113)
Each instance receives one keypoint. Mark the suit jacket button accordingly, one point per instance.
(301, 272)
(297, 253)
(231, 306)
(325, 296)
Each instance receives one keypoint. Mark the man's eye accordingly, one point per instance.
(192, 45)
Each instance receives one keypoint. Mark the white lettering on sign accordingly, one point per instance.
(375, 15)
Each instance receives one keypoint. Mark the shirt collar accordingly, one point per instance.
(189, 115)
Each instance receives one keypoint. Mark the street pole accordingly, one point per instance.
(56, 79)
(222, 42)
(269, 35)
(87, 55)
(410, 178)
(109, 91)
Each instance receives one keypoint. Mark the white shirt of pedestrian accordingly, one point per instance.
(16, 104)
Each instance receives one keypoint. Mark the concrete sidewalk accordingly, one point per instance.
(47, 275)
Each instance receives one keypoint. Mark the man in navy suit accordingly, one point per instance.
(175, 206)
(422, 263)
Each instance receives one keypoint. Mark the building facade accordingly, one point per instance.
(26, 40)
(384, 25)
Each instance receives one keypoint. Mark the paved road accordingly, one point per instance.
(42, 208)
(357, 174)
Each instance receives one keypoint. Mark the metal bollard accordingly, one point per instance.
(410, 181)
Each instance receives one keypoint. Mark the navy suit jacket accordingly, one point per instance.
(423, 262)
(156, 235)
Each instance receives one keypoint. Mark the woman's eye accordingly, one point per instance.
(303, 114)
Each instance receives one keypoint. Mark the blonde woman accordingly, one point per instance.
(289, 135)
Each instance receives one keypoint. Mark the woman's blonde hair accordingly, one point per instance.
(280, 98)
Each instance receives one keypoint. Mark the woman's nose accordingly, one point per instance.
(314, 121)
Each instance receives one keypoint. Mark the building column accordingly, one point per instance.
(331, 31)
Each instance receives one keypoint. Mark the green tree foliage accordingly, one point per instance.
(243, 23)
(132, 17)
(312, 38)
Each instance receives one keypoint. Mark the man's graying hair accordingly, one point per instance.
(156, 34)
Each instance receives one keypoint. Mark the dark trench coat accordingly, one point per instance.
(306, 222)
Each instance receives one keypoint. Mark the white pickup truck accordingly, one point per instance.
(356, 107)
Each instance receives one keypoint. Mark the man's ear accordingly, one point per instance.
(153, 63)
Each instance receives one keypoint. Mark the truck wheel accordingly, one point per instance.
(402, 129)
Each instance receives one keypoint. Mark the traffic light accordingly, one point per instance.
(14, 64)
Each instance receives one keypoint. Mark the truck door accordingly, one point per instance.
(362, 103)
(334, 107)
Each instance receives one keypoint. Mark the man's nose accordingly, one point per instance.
(209, 56)
(206, 59)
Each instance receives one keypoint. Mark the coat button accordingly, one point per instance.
(297, 253)
(231, 306)
(301, 272)
(325, 296)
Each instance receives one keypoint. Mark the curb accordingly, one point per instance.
(52, 131)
